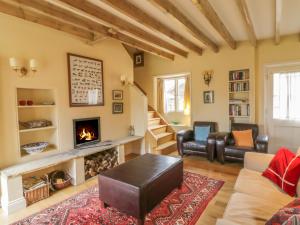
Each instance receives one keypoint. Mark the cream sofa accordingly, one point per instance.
(256, 198)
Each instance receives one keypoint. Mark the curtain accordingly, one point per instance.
(160, 96)
(187, 97)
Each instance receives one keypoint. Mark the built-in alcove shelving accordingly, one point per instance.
(43, 107)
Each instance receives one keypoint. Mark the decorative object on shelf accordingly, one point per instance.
(18, 66)
(48, 103)
(59, 180)
(86, 86)
(117, 107)
(34, 148)
(22, 102)
(208, 97)
(35, 189)
(138, 59)
(117, 94)
(35, 124)
(95, 163)
(131, 130)
(207, 76)
(29, 102)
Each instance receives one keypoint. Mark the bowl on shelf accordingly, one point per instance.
(34, 148)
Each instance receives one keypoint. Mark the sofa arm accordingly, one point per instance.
(257, 161)
(261, 143)
(221, 141)
(183, 136)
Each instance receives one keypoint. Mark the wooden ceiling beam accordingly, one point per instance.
(167, 6)
(100, 30)
(145, 19)
(243, 8)
(211, 15)
(41, 19)
(278, 16)
(123, 26)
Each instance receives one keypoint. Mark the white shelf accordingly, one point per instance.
(239, 116)
(238, 81)
(35, 106)
(233, 92)
(37, 129)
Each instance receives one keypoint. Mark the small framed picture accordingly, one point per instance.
(208, 97)
(117, 94)
(117, 107)
(138, 59)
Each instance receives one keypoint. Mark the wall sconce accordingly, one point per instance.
(124, 80)
(18, 66)
(207, 76)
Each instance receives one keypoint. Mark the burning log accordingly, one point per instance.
(94, 164)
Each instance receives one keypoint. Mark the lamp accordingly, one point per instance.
(18, 66)
(207, 76)
(124, 80)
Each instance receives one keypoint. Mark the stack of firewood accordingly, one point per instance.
(94, 164)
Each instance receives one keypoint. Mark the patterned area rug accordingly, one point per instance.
(181, 207)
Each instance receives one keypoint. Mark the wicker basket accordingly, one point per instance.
(37, 194)
(64, 184)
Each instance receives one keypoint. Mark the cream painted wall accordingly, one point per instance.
(221, 63)
(227, 59)
(28, 40)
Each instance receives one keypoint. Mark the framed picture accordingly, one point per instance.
(86, 86)
(117, 108)
(138, 59)
(208, 97)
(117, 94)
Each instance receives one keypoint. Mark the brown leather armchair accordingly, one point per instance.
(186, 144)
(226, 149)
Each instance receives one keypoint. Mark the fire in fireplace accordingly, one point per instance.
(86, 131)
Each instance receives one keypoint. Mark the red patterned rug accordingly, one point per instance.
(181, 207)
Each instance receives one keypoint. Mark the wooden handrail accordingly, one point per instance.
(140, 88)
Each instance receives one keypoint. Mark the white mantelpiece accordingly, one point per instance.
(12, 198)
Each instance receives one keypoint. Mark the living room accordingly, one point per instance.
(149, 112)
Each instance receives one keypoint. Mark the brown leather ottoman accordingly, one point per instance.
(137, 186)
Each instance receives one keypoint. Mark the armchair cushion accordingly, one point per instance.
(195, 145)
(201, 133)
(243, 138)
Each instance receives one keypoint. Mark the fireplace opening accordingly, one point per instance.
(86, 131)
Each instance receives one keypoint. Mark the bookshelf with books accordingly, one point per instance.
(239, 97)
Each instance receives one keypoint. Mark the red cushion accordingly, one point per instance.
(284, 170)
(287, 215)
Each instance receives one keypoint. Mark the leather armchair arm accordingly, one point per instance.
(211, 146)
(183, 136)
(221, 142)
(261, 143)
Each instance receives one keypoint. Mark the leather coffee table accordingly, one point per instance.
(137, 186)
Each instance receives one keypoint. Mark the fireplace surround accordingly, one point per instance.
(86, 131)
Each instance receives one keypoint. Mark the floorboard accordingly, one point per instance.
(196, 164)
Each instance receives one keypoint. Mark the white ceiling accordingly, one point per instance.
(262, 13)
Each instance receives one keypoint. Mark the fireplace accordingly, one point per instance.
(86, 131)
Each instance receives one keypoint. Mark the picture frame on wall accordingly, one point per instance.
(208, 97)
(86, 86)
(117, 107)
(117, 94)
(138, 59)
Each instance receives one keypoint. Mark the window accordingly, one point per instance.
(174, 94)
(286, 96)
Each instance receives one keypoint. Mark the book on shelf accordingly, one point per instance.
(238, 87)
(239, 75)
(239, 110)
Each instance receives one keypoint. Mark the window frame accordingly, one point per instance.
(176, 94)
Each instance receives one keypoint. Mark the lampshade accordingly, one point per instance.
(15, 63)
(33, 64)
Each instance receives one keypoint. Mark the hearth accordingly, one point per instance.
(86, 131)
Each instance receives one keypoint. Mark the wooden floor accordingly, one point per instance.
(214, 210)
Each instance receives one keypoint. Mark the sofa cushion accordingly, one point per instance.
(236, 151)
(284, 170)
(201, 133)
(290, 214)
(252, 183)
(195, 145)
(248, 210)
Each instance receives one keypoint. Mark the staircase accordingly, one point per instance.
(162, 137)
